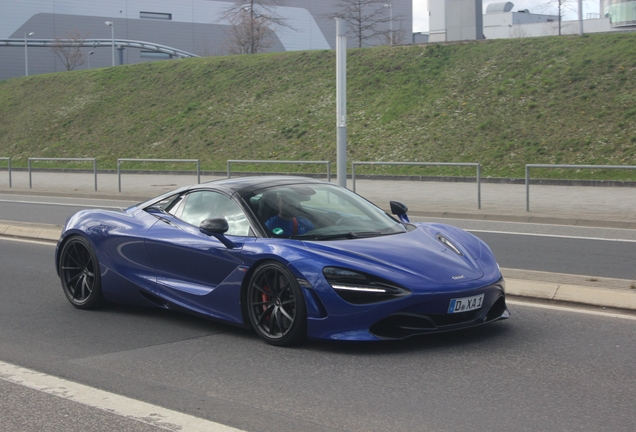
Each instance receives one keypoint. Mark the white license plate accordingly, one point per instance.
(465, 304)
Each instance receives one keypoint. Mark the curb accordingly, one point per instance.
(603, 292)
(30, 231)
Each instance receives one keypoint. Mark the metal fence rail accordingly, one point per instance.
(8, 159)
(528, 166)
(65, 160)
(328, 163)
(459, 164)
(120, 160)
(96, 43)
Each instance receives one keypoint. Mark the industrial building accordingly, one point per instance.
(151, 30)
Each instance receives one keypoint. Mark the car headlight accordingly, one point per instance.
(358, 288)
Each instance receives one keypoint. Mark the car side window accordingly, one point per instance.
(201, 205)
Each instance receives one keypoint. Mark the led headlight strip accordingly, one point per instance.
(360, 288)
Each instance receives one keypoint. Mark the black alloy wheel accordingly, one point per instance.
(79, 273)
(276, 305)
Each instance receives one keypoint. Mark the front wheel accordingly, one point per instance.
(79, 272)
(276, 305)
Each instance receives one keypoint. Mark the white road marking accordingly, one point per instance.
(571, 309)
(61, 204)
(551, 235)
(120, 405)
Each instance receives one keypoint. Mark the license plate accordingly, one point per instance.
(465, 304)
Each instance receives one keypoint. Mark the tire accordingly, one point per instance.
(276, 305)
(80, 274)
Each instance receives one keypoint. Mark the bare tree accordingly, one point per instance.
(398, 35)
(249, 34)
(69, 49)
(561, 6)
(517, 31)
(253, 24)
(366, 19)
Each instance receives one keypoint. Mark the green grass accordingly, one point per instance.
(503, 103)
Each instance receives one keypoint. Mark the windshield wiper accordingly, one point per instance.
(345, 235)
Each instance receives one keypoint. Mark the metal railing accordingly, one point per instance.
(96, 43)
(459, 164)
(8, 159)
(120, 160)
(328, 163)
(528, 166)
(65, 160)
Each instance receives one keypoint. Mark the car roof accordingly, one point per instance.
(246, 185)
(239, 185)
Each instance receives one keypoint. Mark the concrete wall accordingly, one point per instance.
(548, 29)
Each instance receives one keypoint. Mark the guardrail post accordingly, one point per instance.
(8, 159)
(30, 182)
(479, 186)
(353, 175)
(95, 172)
(119, 173)
(228, 168)
(198, 171)
(527, 188)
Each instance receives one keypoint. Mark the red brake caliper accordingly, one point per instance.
(265, 298)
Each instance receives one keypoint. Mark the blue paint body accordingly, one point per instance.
(156, 259)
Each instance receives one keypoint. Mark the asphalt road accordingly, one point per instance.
(600, 252)
(543, 369)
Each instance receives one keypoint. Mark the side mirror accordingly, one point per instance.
(399, 209)
(217, 227)
(214, 226)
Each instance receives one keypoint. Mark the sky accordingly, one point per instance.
(420, 14)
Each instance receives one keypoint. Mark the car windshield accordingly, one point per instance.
(319, 212)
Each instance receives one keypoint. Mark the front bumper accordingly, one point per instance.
(415, 315)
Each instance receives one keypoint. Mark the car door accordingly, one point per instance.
(194, 269)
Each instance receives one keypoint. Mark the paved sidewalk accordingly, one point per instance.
(613, 207)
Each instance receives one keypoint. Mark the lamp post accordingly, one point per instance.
(112, 36)
(390, 6)
(26, 56)
(341, 101)
(89, 58)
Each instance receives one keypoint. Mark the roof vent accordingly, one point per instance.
(499, 7)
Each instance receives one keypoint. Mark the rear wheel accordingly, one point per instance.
(79, 273)
(276, 305)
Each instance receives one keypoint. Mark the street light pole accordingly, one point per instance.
(390, 6)
(341, 101)
(26, 55)
(112, 36)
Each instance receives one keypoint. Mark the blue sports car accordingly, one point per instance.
(291, 257)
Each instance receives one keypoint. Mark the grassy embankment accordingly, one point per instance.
(503, 103)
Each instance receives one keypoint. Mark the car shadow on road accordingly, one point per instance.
(490, 334)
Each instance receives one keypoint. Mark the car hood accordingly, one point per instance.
(417, 253)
